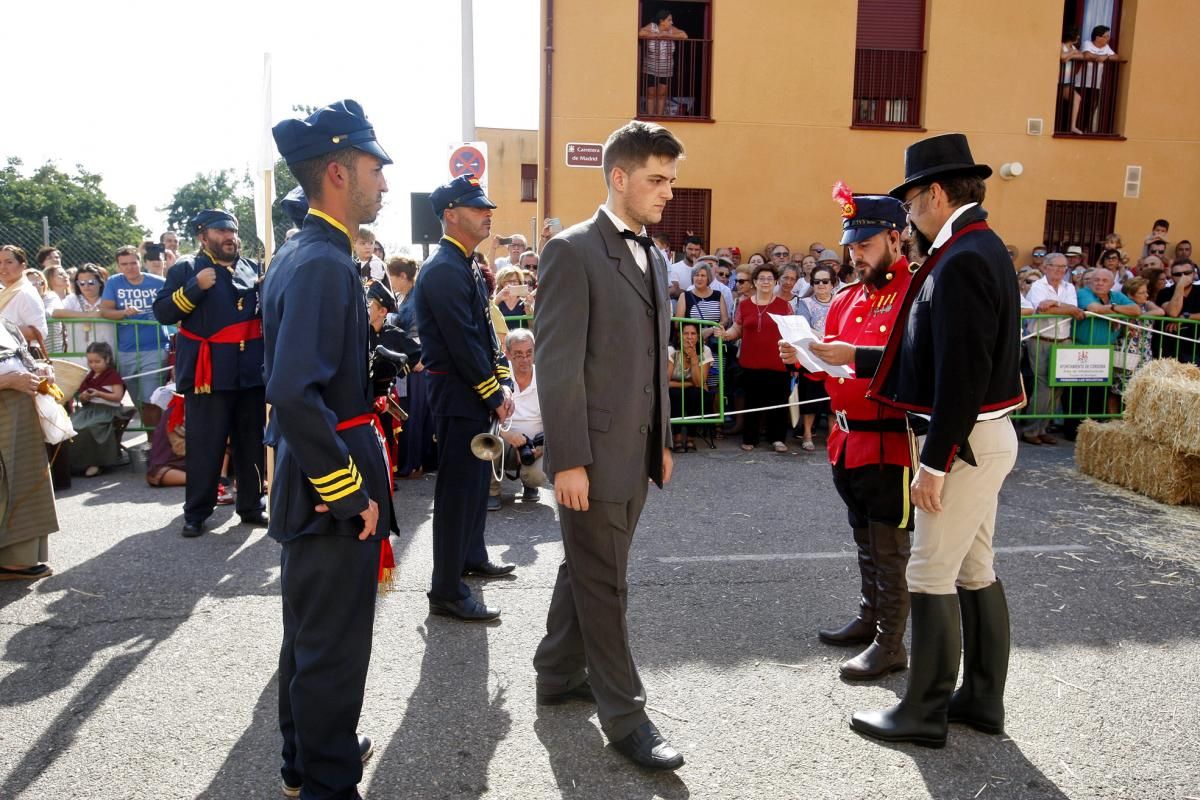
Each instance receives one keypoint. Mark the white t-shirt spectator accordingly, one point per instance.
(26, 309)
(1042, 291)
(1092, 73)
(527, 409)
(681, 273)
(80, 334)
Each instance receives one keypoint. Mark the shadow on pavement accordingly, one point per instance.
(253, 761)
(585, 768)
(452, 723)
(131, 597)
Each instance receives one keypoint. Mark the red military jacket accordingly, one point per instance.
(864, 316)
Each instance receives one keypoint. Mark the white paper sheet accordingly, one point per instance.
(796, 331)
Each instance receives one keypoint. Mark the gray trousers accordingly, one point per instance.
(587, 635)
(1045, 396)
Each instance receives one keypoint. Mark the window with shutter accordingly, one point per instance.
(689, 210)
(889, 62)
(675, 75)
(529, 180)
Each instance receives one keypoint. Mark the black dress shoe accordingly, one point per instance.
(646, 748)
(256, 517)
(582, 692)
(468, 609)
(366, 749)
(489, 569)
(191, 530)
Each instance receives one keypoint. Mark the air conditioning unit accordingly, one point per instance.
(1133, 181)
(1033, 126)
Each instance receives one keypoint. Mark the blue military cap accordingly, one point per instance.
(864, 215)
(295, 205)
(337, 125)
(462, 191)
(213, 218)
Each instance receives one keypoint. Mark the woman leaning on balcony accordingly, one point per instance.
(659, 63)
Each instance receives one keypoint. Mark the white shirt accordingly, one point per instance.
(1089, 77)
(680, 272)
(26, 308)
(1040, 292)
(527, 409)
(639, 252)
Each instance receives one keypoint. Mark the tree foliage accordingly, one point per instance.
(84, 223)
(229, 191)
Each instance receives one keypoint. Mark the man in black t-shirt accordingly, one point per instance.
(1180, 300)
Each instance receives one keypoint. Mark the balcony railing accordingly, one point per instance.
(1087, 98)
(674, 78)
(887, 88)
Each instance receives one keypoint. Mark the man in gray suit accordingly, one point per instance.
(602, 320)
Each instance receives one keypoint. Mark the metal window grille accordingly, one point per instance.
(675, 75)
(689, 210)
(1079, 222)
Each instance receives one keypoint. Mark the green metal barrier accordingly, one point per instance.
(705, 417)
(82, 331)
(1085, 375)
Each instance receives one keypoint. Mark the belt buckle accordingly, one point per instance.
(840, 417)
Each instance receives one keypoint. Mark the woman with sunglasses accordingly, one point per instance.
(764, 376)
(814, 307)
(84, 304)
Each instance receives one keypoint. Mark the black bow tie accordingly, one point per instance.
(645, 241)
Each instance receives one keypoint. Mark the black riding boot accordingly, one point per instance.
(890, 548)
(920, 717)
(979, 702)
(861, 629)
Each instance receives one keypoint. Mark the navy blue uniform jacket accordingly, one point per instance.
(458, 344)
(182, 302)
(315, 332)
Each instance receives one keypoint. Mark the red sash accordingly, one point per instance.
(237, 332)
(387, 559)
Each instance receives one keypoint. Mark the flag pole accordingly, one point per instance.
(265, 196)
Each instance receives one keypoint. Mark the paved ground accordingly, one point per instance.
(145, 667)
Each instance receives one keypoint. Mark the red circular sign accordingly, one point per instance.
(467, 159)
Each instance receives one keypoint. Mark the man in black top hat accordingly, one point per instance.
(331, 501)
(213, 298)
(953, 363)
(469, 383)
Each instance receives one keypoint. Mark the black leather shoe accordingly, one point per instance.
(646, 748)
(366, 749)
(582, 692)
(489, 569)
(254, 518)
(191, 530)
(468, 609)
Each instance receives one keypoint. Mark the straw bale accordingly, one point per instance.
(1162, 401)
(1117, 452)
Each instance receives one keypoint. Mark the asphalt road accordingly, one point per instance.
(145, 667)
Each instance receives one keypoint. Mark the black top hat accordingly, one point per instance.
(937, 157)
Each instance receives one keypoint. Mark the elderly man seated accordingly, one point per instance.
(523, 440)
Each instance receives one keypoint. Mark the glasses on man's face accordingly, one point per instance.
(723, 276)
(1180, 274)
(742, 280)
(780, 254)
(1039, 255)
(88, 283)
(822, 282)
(1158, 252)
(908, 204)
(765, 277)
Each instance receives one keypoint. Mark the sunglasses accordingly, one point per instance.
(1031, 281)
(1039, 255)
(742, 280)
(822, 281)
(780, 254)
(1179, 274)
(88, 283)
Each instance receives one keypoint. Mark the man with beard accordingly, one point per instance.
(868, 445)
(213, 297)
(954, 364)
(602, 325)
(331, 503)
(469, 382)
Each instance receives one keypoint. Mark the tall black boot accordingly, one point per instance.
(890, 548)
(920, 717)
(861, 629)
(979, 702)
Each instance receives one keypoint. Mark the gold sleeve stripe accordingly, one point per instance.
(492, 387)
(490, 392)
(483, 385)
(337, 474)
(180, 299)
(503, 372)
(350, 489)
(334, 488)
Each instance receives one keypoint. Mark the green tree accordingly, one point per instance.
(227, 190)
(84, 223)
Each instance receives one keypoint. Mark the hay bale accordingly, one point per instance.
(1162, 398)
(1117, 452)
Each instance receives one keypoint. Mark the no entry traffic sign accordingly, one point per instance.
(468, 158)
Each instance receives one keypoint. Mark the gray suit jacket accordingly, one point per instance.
(601, 359)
